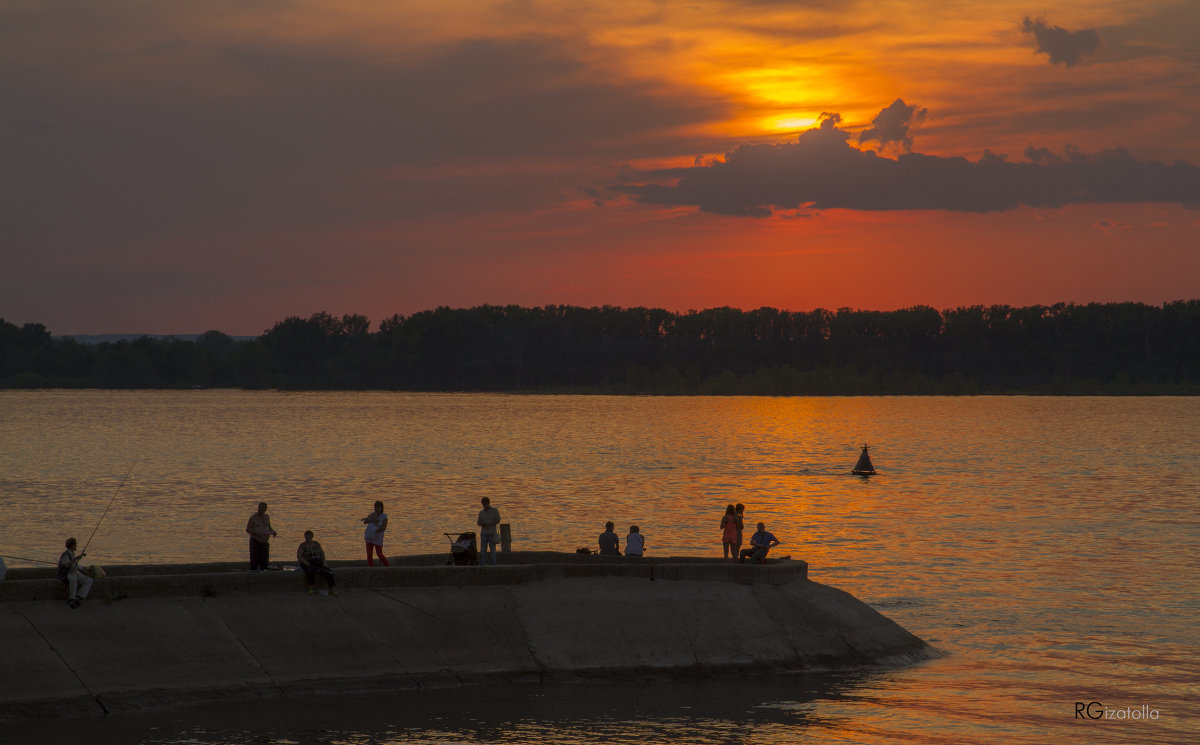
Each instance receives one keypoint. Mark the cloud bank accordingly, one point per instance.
(1064, 47)
(821, 170)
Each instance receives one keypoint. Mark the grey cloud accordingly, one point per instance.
(1171, 31)
(309, 138)
(820, 170)
(892, 125)
(1064, 47)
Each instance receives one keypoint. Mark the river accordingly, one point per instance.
(1047, 545)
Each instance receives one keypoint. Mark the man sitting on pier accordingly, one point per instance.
(77, 582)
(312, 560)
(760, 543)
(610, 544)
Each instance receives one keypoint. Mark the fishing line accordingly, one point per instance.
(24, 558)
(109, 507)
(342, 578)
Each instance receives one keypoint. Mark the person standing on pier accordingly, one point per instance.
(261, 532)
(729, 533)
(376, 523)
(78, 583)
(739, 511)
(489, 518)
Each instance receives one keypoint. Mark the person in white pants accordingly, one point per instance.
(78, 583)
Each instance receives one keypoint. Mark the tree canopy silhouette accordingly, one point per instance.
(1063, 348)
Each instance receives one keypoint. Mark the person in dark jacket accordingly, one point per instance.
(610, 544)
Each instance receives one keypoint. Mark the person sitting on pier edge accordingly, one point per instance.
(635, 543)
(760, 543)
(78, 583)
(312, 560)
(610, 544)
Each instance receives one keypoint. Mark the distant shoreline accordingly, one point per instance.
(1101, 391)
(1112, 349)
(114, 338)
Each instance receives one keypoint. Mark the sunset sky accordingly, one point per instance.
(174, 167)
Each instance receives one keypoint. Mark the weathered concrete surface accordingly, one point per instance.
(159, 638)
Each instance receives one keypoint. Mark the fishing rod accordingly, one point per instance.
(109, 507)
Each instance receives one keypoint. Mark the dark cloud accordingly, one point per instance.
(1064, 47)
(891, 126)
(821, 170)
(310, 136)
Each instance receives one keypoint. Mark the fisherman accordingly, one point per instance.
(260, 530)
(760, 543)
(489, 518)
(78, 583)
(312, 560)
(610, 544)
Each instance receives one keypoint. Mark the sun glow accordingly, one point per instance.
(790, 123)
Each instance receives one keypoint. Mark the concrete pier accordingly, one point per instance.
(152, 636)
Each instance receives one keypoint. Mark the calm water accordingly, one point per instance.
(1048, 545)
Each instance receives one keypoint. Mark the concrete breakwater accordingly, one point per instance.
(155, 636)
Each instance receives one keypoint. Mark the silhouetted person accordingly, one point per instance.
(730, 533)
(260, 530)
(610, 544)
(760, 543)
(489, 518)
(740, 509)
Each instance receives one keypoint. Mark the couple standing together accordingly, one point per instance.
(732, 524)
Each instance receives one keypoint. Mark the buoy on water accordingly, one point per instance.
(864, 467)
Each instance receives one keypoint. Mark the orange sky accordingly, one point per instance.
(177, 167)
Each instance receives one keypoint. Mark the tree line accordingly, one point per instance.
(1110, 348)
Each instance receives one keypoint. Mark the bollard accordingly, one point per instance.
(505, 538)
